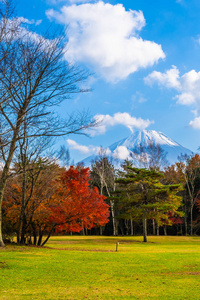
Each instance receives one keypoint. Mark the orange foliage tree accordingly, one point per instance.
(62, 204)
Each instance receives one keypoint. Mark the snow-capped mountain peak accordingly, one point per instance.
(124, 148)
(144, 138)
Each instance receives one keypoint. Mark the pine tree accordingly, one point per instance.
(141, 196)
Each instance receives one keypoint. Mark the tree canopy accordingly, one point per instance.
(142, 196)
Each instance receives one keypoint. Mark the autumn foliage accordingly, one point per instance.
(60, 201)
(78, 206)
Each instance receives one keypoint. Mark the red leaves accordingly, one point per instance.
(78, 206)
(67, 203)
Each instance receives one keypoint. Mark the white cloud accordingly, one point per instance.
(121, 152)
(86, 149)
(195, 123)
(38, 22)
(138, 97)
(187, 85)
(22, 20)
(106, 37)
(170, 79)
(125, 119)
(75, 146)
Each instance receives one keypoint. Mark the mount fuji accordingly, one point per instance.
(124, 148)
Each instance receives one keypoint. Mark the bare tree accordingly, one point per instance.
(189, 169)
(103, 175)
(150, 156)
(64, 156)
(28, 162)
(33, 80)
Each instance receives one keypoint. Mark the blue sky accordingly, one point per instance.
(144, 57)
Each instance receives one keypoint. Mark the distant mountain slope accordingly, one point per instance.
(142, 139)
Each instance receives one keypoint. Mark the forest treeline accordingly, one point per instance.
(104, 200)
(155, 198)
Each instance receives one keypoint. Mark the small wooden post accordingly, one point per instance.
(117, 244)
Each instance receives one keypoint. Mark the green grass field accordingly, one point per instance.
(90, 268)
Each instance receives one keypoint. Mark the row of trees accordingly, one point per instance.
(166, 197)
(48, 198)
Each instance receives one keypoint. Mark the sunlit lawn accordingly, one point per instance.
(78, 267)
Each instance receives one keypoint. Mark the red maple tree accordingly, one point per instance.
(79, 206)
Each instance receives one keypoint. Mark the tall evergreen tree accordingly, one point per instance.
(142, 196)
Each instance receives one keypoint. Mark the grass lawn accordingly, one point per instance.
(78, 267)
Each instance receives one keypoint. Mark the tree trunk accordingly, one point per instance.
(165, 230)
(40, 237)
(19, 231)
(116, 227)
(154, 227)
(113, 216)
(6, 168)
(131, 227)
(191, 221)
(186, 225)
(18, 237)
(83, 231)
(101, 230)
(158, 229)
(1, 238)
(23, 230)
(144, 229)
(121, 229)
(181, 229)
(34, 235)
(45, 241)
(126, 226)
(22, 225)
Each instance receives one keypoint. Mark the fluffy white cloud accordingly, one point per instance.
(125, 119)
(169, 79)
(106, 37)
(75, 146)
(195, 123)
(121, 152)
(187, 85)
(86, 149)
